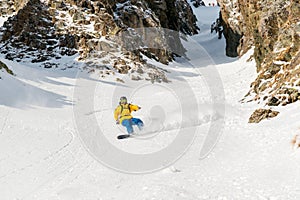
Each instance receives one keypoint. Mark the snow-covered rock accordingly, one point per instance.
(272, 27)
(99, 31)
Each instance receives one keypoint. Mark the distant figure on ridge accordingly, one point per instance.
(198, 3)
(220, 31)
(212, 27)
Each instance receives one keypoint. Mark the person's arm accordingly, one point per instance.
(117, 113)
(134, 107)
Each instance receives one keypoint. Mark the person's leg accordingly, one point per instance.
(128, 124)
(138, 122)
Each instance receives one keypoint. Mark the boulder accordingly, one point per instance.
(4, 66)
(261, 114)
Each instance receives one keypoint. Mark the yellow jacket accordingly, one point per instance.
(123, 111)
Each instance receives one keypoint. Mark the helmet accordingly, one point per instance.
(123, 100)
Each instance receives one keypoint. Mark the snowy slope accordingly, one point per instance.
(2, 20)
(52, 150)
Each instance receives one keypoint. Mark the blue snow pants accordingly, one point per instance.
(128, 123)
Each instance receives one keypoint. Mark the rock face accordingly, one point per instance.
(232, 38)
(9, 7)
(41, 30)
(29, 32)
(273, 29)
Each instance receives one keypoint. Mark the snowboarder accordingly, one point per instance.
(123, 115)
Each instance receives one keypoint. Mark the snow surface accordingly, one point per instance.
(2, 20)
(49, 148)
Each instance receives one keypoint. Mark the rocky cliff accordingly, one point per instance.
(272, 27)
(41, 31)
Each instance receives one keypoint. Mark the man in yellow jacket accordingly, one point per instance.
(123, 115)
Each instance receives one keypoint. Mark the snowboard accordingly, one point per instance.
(120, 137)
